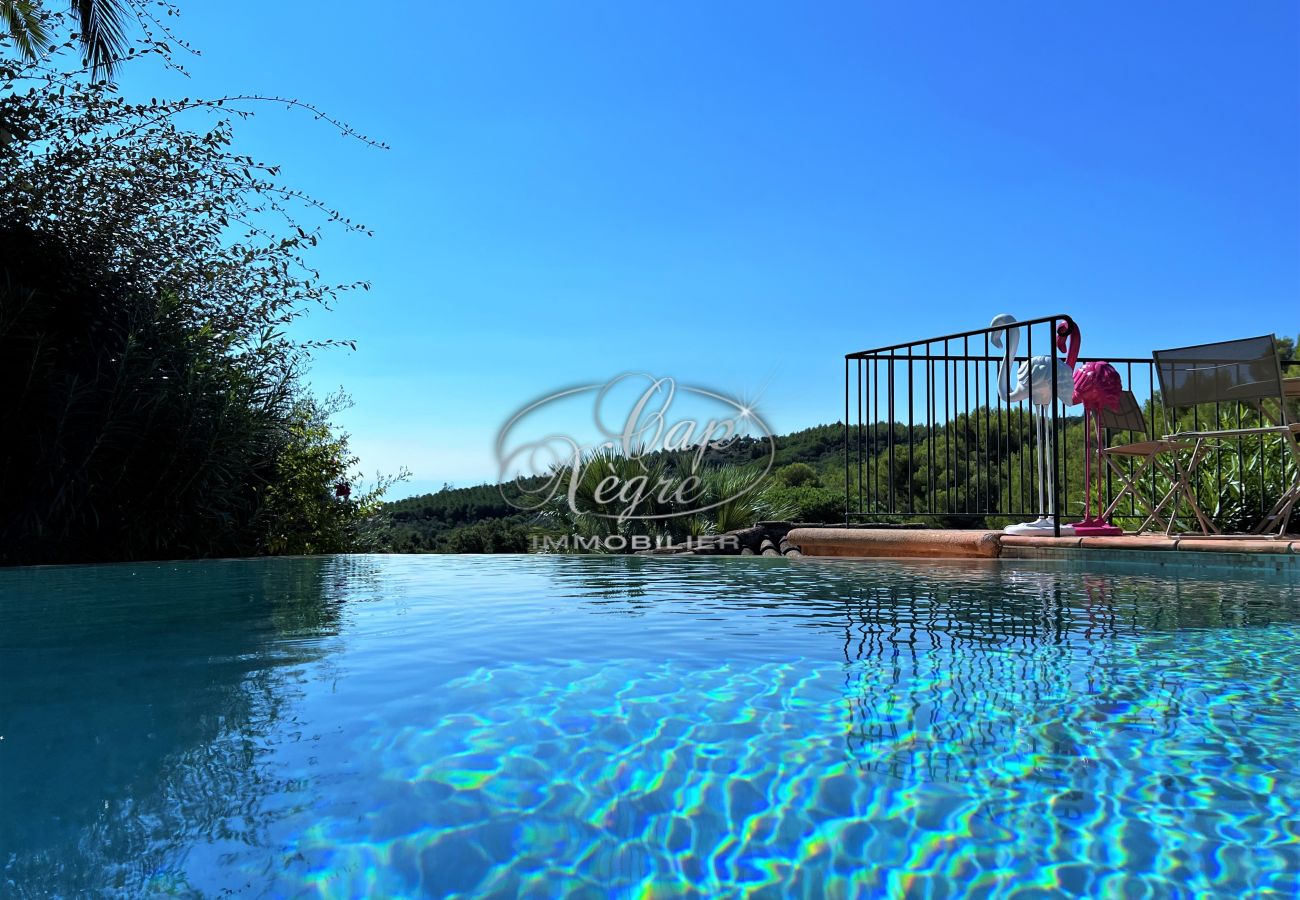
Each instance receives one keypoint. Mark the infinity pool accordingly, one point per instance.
(596, 726)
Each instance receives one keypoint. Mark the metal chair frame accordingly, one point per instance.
(1245, 370)
(1129, 417)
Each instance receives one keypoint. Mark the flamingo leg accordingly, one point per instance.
(1087, 469)
(1101, 444)
(1051, 468)
(1042, 505)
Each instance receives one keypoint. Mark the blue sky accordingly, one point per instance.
(736, 196)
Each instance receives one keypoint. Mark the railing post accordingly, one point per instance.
(1055, 500)
(847, 520)
(864, 386)
(889, 406)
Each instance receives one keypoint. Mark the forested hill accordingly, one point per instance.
(466, 519)
(933, 466)
(816, 446)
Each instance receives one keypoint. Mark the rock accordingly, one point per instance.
(748, 537)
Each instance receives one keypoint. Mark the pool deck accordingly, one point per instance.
(1274, 553)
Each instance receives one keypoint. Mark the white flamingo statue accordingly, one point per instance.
(1033, 382)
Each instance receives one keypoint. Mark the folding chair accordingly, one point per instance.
(1145, 456)
(1240, 371)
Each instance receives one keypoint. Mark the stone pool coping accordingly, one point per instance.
(1276, 553)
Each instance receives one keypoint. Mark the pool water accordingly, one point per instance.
(641, 727)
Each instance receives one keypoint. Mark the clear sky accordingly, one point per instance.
(737, 195)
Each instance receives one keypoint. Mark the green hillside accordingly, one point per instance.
(479, 519)
(980, 460)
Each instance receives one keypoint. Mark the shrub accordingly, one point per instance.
(797, 474)
(147, 273)
(491, 536)
(806, 503)
(132, 434)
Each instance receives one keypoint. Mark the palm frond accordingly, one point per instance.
(23, 23)
(103, 32)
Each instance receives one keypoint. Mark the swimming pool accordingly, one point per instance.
(594, 726)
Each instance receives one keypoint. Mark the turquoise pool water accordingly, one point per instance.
(587, 726)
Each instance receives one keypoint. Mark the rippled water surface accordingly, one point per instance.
(582, 726)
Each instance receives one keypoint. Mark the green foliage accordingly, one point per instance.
(582, 504)
(981, 460)
(1240, 477)
(1286, 350)
(491, 536)
(153, 407)
(429, 522)
(22, 23)
(126, 423)
(734, 499)
(453, 506)
(796, 474)
(727, 497)
(977, 461)
(806, 502)
(309, 502)
(101, 28)
(985, 461)
(142, 438)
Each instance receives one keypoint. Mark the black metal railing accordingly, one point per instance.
(941, 431)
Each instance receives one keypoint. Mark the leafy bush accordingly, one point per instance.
(806, 502)
(492, 536)
(147, 273)
(737, 499)
(311, 504)
(109, 415)
(796, 474)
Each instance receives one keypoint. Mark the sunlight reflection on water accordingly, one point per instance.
(540, 726)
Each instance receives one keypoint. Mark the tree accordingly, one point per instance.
(147, 275)
(492, 536)
(102, 28)
(24, 24)
(796, 474)
(1286, 349)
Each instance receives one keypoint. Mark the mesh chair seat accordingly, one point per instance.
(1226, 371)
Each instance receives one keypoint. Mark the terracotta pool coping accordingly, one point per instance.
(955, 544)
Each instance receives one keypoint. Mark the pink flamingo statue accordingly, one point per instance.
(1097, 386)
